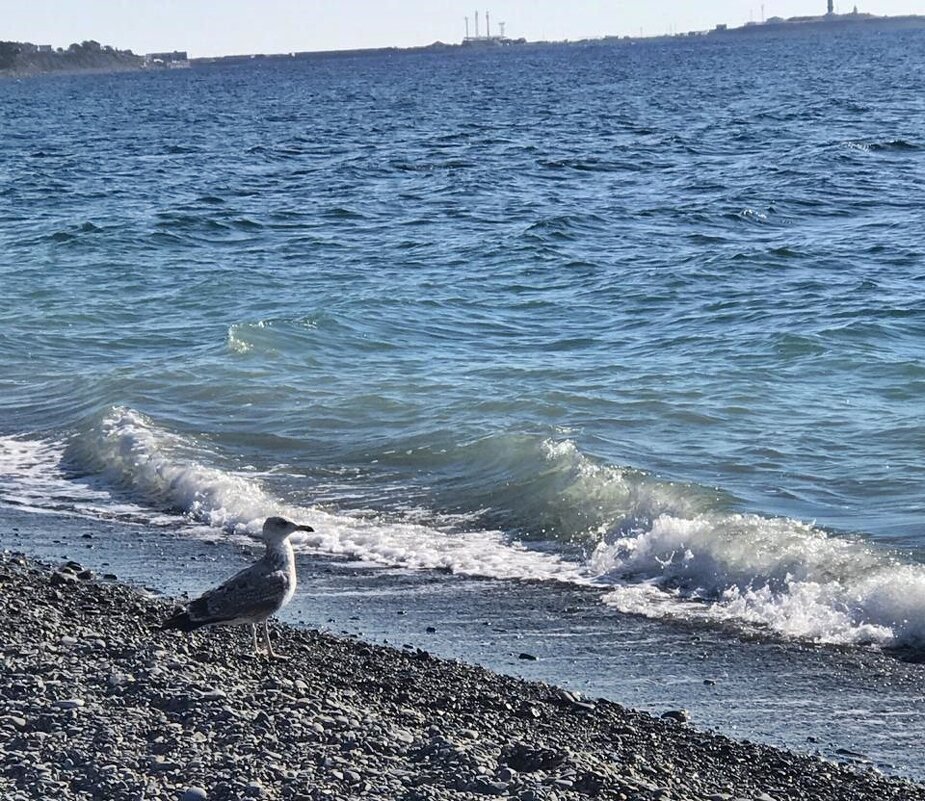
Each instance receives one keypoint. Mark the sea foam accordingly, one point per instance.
(774, 573)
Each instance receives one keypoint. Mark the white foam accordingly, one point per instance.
(776, 573)
(32, 477)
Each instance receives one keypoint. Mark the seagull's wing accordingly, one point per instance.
(252, 594)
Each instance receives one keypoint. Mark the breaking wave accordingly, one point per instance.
(167, 471)
(652, 548)
(774, 573)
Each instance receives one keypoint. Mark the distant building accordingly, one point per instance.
(487, 38)
(831, 7)
(44, 49)
(178, 59)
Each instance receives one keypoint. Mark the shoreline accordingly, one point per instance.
(96, 701)
(777, 27)
(849, 706)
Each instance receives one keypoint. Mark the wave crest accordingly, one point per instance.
(546, 489)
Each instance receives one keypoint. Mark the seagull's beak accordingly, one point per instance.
(304, 528)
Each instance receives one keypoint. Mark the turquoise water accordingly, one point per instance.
(648, 318)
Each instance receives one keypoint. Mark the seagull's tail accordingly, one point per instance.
(183, 622)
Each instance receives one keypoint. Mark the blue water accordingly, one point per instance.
(646, 318)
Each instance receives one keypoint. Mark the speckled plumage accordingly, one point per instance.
(253, 594)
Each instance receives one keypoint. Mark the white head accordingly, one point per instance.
(277, 529)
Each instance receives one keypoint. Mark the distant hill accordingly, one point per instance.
(25, 58)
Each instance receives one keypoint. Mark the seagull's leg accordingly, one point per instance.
(270, 652)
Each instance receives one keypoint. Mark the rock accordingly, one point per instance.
(679, 715)
(527, 657)
(484, 786)
(193, 794)
(528, 710)
(62, 579)
(526, 758)
(70, 703)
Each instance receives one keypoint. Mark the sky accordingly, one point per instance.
(224, 27)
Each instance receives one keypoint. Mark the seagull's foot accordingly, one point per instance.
(262, 653)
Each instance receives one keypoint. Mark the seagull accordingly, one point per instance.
(252, 595)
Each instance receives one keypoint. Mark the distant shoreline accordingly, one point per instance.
(23, 59)
(792, 26)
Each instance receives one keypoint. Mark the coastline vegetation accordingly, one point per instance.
(26, 58)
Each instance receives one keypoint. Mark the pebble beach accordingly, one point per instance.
(96, 702)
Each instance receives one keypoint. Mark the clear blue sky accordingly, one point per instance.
(217, 27)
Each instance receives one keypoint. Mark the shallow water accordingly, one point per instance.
(646, 320)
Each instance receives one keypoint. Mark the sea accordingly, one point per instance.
(600, 364)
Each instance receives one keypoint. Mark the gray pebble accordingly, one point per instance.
(70, 703)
